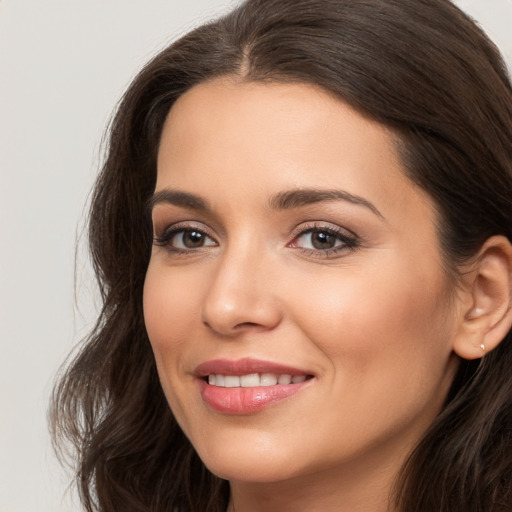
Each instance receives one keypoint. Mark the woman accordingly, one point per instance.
(302, 237)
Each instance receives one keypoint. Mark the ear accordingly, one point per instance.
(487, 311)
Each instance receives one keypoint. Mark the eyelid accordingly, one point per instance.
(323, 225)
(162, 237)
(350, 240)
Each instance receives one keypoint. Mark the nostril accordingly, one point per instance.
(237, 328)
(244, 325)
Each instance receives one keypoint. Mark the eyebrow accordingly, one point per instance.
(303, 197)
(177, 198)
(286, 200)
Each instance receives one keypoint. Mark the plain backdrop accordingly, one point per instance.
(63, 66)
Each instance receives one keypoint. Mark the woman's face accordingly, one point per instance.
(299, 270)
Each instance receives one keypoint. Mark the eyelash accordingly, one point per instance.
(165, 238)
(349, 240)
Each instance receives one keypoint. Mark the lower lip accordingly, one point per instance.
(247, 400)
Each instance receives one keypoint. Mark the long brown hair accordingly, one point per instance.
(421, 67)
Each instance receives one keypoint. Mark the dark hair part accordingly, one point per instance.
(421, 67)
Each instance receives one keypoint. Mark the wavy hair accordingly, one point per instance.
(421, 67)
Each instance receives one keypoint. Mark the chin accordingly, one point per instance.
(257, 472)
(259, 463)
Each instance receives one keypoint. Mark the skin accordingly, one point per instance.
(374, 321)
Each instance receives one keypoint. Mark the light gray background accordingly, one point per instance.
(63, 66)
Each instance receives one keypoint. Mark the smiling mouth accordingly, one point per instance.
(248, 386)
(253, 380)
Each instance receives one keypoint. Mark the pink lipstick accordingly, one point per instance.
(248, 385)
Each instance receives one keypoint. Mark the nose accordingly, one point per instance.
(241, 296)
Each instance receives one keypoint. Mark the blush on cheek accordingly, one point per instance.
(167, 307)
(363, 315)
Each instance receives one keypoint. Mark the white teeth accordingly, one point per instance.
(231, 381)
(253, 380)
(268, 379)
(250, 381)
(284, 379)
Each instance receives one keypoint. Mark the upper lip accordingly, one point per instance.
(244, 367)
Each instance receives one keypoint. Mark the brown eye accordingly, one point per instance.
(322, 240)
(325, 241)
(319, 239)
(179, 239)
(190, 239)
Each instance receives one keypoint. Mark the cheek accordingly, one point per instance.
(390, 318)
(386, 347)
(169, 299)
(171, 306)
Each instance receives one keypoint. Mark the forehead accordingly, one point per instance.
(258, 138)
